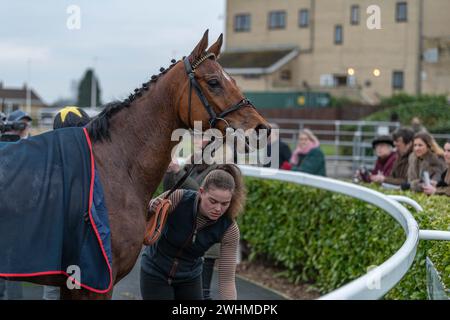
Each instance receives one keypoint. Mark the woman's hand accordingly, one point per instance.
(429, 189)
(377, 178)
(154, 203)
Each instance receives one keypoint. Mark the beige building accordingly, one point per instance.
(363, 49)
(23, 98)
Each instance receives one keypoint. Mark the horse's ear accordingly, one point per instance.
(215, 48)
(201, 47)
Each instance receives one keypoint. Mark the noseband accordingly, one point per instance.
(193, 83)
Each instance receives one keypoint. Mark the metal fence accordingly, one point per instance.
(347, 143)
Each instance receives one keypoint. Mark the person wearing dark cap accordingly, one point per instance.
(22, 121)
(386, 156)
(71, 116)
(403, 141)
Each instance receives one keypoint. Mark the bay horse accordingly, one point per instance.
(131, 143)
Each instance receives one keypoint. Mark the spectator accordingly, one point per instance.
(403, 141)
(427, 157)
(442, 187)
(386, 156)
(21, 119)
(416, 125)
(12, 290)
(308, 157)
(284, 152)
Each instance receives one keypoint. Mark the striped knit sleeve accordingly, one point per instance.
(175, 198)
(227, 263)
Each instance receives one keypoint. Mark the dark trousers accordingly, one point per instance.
(208, 269)
(153, 288)
(10, 290)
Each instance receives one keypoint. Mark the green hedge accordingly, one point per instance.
(330, 239)
(433, 111)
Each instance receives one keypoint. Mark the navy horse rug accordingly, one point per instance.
(53, 219)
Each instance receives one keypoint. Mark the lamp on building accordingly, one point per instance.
(351, 71)
(376, 72)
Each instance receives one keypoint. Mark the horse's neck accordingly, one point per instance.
(140, 148)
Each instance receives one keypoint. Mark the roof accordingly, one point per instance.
(256, 62)
(18, 94)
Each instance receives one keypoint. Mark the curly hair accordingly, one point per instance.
(228, 177)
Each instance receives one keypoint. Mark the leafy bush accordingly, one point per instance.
(339, 102)
(433, 111)
(330, 239)
(404, 98)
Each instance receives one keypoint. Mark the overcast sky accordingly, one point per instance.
(128, 41)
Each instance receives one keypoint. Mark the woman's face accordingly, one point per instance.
(420, 147)
(214, 202)
(303, 141)
(447, 153)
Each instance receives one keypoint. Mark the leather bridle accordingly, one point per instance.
(193, 83)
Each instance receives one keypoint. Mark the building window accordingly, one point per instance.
(354, 15)
(326, 80)
(398, 80)
(242, 23)
(401, 13)
(340, 80)
(338, 37)
(303, 18)
(285, 75)
(277, 20)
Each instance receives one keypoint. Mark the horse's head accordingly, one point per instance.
(212, 96)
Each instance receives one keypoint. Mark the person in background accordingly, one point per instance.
(386, 156)
(416, 125)
(67, 117)
(307, 157)
(426, 159)
(403, 141)
(284, 152)
(442, 187)
(12, 290)
(22, 119)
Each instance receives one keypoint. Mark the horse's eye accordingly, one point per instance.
(214, 83)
